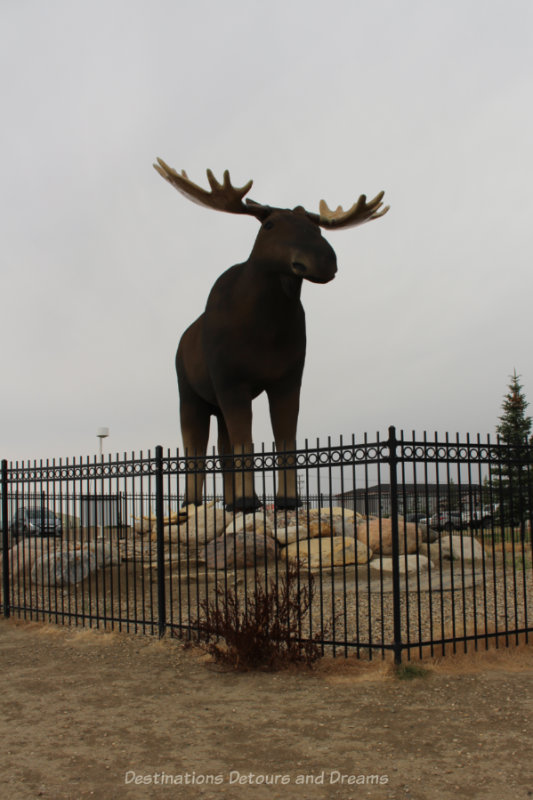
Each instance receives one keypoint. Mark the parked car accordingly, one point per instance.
(36, 522)
(479, 518)
(416, 517)
(446, 521)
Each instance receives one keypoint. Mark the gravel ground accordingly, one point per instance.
(88, 714)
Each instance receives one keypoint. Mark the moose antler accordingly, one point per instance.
(360, 212)
(222, 197)
(225, 197)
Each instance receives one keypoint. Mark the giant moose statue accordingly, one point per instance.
(251, 336)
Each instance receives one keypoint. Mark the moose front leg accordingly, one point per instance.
(235, 437)
(284, 407)
(226, 459)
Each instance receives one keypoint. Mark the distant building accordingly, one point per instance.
(413, 498)
(102, 510)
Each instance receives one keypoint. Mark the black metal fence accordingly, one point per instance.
(406, 545)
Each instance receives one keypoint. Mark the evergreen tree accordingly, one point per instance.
(512, 478)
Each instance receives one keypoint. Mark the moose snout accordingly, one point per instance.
(299, 268)
(317, 263)
(315, 272)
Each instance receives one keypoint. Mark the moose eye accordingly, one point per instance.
(268, 225)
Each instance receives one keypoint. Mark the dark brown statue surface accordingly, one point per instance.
(251, 336)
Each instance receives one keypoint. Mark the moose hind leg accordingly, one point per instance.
(235, 447)
(195, 416)
(224, 451)
(284, 407)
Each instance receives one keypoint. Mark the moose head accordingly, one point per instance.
(251, 337)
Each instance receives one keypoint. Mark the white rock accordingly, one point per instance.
(454, 547)
(411, 563)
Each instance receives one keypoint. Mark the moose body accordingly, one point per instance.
(251, 338)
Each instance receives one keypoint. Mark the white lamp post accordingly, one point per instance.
(102, 433)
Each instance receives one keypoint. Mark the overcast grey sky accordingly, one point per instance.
(104, 264)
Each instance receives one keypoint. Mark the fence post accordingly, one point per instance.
(159, 512)
(393, 463)
(5, 542)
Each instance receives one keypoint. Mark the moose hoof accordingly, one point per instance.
(288, 503)
(244, 504)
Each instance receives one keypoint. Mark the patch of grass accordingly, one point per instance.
(507, 533)
(261, 630)
(518, 562)
(408, 672)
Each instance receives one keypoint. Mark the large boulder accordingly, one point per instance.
(332, 551)
(261, 522)
(325, 512)
(316, 522)
(238, 550)
(427, 534)
(143, 525)
(54, 564)
(454, 547)
(286, 535)
(376, 533)
(202, 525)
(343, 525)
(340, 511)
(302, 529)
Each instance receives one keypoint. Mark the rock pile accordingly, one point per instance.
(317, 538)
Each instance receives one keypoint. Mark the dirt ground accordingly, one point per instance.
(110, 715)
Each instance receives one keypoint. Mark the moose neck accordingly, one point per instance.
(292, 286)
(272, 283)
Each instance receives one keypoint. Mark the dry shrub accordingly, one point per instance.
(262, 628)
